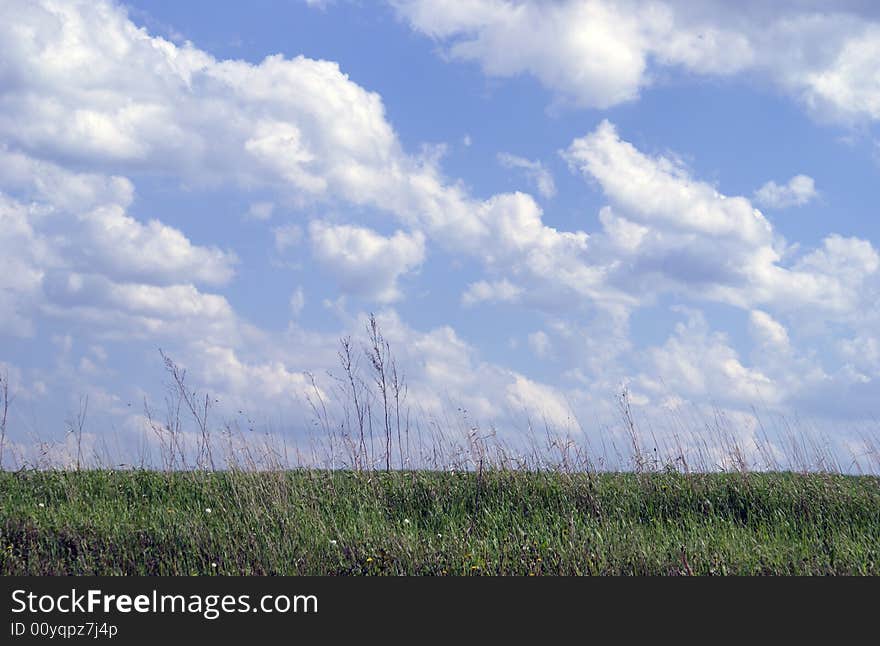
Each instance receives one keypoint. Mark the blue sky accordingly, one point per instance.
(543, 203)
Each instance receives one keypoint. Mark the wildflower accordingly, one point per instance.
(406, 521)
(369, 559)
(439, 535)
(332, 542)
(207, 510)
(41, 505)
(213, 565)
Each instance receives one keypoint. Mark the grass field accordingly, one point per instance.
(437, 523)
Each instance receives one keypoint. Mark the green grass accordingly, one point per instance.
(504, 522)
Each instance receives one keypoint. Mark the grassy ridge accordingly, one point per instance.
(501, 522)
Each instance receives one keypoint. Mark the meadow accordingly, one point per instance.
(504, 522)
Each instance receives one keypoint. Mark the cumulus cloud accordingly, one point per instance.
(91, 86)
(73, 290)
(83, 86)
(25, 254)
(540, 344)
(287, 236)
(841, 275)
(444, 369)
(696, 362)
(121, 246)
(73, 248)
(542, 401)
(297, 301)
(297, 126)
(600, 53)
(84, 215)
(260, 211)
(364, 262)
(592, 54)
(767, 331)
(660, 190)
(497, 291)
(534, 171)
(800, 190)
(260, 381)
(72, 192)
(846, 86)
(668, 233)
(680, 233)
(863, 353)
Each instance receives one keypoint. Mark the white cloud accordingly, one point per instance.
(69, 242)
(540, 344)
(264, 382)
(72, 192)
(667, 231)
(297, 126)
(841, 275)
(534, 171)
(84, 216)
(120, 246)
(24, 254)
(364, 262)
(287, 236)
(847, 86)
(500, 291)
(535, 399)
(800, 190)
(73, 290)
(768, 331)
(93, 87)
(21, 385)
(659, 190)
(600, 53)
(590, 53)
(89, 89)
(260, 211)
(863, 352)
(297, 301)
(695, 362)
(594, 67)
(442, 372)
(625, 235)
(850, 258)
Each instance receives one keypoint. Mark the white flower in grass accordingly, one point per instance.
(207, 510)
(406, 521)
(41, 505)
(439, 535)
(213, 565)
(332, 542)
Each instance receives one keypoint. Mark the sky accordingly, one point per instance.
(543, 203)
